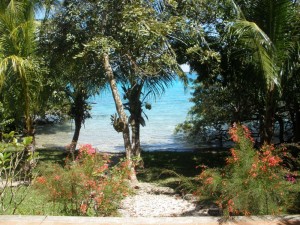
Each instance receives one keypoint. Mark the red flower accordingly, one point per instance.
(41, 180)
(274, 161)
(233, 134)
(102, 168)
(83, 208)
(209, 180)
(233, 131)
(234, 155)
(230, 205)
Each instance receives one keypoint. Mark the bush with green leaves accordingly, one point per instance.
(16, 163)
(253, 181)
(86, 186)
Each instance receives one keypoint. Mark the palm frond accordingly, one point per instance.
(269, 33)
(253, 37)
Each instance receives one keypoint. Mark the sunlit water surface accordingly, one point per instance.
(158, 134)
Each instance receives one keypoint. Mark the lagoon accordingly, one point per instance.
(158, 134)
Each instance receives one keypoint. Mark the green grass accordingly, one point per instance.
(177, 169)
(34, 204)
(52, 155)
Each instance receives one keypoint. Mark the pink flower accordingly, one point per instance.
(87, 149)
(290, 178)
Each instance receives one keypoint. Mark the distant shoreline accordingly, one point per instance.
(195, 149)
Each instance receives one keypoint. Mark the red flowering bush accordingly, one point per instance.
(253, 181)
(87, 186)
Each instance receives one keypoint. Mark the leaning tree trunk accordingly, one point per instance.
(121, 113)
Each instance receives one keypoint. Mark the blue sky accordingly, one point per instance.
(185, 68)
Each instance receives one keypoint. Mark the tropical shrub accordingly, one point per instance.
(16, 163)
(86, 186)
(253, 181)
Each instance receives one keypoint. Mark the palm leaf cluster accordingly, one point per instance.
(18, 64)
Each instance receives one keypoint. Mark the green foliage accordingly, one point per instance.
(86, 186)
(15, 171)
(255, 44)
(20, 70)
(75, 77)
(253, 181)
(4, 121)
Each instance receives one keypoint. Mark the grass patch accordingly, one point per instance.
(35, 204)
(175, 169)
(52, 155)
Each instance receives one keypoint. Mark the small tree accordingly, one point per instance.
(63, 37)
(253, 182)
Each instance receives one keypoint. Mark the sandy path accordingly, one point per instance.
(154, 201)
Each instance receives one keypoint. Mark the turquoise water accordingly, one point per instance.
(158, 134)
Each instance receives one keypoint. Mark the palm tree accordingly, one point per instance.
(264, 27)
(136, 95)
(17, 48)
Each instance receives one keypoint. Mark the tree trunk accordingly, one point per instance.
(297, 127)
(29, 126)
(136, 115)
(78, 112)
(78, 122)
(135, 137)
(269, 117)
(136, 143)
(121, 113)
(281, 129)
